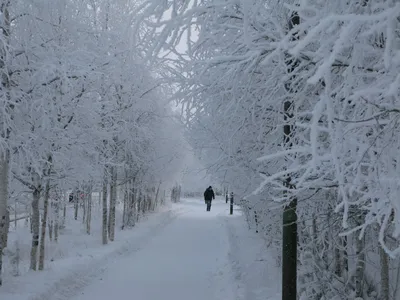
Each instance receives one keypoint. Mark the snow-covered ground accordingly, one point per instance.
(181, 252)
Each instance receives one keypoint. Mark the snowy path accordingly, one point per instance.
(180, 252)
(189, 260)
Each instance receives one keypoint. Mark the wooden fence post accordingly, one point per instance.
(231, 206)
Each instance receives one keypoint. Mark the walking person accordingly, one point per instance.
(208, 197)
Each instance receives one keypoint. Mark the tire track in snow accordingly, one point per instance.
(72, 284)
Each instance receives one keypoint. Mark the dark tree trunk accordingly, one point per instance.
(104, 208)
(289, 252)
(289, 237)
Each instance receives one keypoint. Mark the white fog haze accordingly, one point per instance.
(194, 176)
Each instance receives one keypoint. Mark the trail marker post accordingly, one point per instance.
(231, 206)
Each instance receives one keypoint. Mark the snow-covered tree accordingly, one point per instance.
(82, 111)
(331, 78)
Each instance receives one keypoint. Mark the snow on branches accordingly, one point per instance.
(237, 62)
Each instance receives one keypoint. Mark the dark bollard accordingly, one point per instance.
(231, 206)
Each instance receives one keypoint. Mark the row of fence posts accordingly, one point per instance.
(231, 201)
(231, 207)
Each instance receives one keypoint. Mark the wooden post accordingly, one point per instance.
(231, 205)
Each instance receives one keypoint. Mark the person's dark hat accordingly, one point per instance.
(210, 187)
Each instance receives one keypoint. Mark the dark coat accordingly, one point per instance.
(209, 194)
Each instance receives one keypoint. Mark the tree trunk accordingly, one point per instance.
(138, 205)
(16, 258)
(338, 262)
(76, 205)
(131, 205)
(162, 197)
(156, 197)
(15, 215)
(50, 222)
(345, 267)
(150, 199)
(289, 238)
(4, 214)
(83, 200)
(143, 202)
(341, 257)
(51, 228)
(360, 266)
(125, 208)
(314, 231)
(44, 225)
(56, 217)
(289, 252)
(104, 231)
(35, 227)
(5, 132)
(396, 289)
(64, 213)
(31, 219)
(113, 200)
(385, 292)
(89, 210)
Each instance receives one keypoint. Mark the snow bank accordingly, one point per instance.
(77, 258)
(257, 275)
